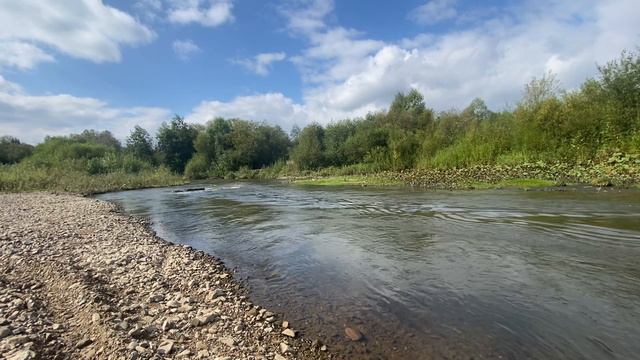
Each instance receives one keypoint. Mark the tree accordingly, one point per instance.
(538, 91)
(12, 150)
(308, 153)
(105, 138)
(477, 110)
(620, 80)
(140, 144)
(175, 142)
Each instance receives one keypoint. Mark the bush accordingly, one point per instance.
(197, 168)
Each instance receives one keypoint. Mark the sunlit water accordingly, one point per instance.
(470, 274)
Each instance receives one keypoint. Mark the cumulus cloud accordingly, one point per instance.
(184, 49)
(347, 74)
(86, 29)
(204, 12)
(434, 11)
(307, 16)
(261, 63)
(21, 55)
(31, 117)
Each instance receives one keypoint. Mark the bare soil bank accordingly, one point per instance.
(78, 279)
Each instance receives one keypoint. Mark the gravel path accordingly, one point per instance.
(78, 279)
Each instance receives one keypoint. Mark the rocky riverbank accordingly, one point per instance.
(78, 279)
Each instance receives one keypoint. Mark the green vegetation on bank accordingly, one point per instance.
(551, 137)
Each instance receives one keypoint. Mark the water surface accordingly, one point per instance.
(425, 275)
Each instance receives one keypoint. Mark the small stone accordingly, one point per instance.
(284, 347)
(136, 332)
(165, 348)
(95, 317)
(132, 345)
(173, 304)
(16, 340)
(252, 312)
(279, 357)
(285, 324)
(206, 318)
(168, 324)
(22, 355)
(84, 343)
(56, 327)
(289, 333)
(353, 334)
(323, 348)
(4, 332)
(227, 341)
(184, 353)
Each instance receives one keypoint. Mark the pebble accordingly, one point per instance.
(84, 343)
(107, 280)
(353, 334)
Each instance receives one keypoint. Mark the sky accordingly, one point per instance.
(69, 65)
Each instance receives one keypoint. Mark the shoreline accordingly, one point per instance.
(81, 279)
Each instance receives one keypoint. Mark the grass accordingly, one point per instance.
(524, 184)
(350, 180)
(19, 178)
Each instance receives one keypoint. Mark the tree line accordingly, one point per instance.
(599, 118)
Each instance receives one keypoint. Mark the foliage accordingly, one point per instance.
(140, 144)
(175, 143)
(12, 150)
(591, 134)
(308, 153)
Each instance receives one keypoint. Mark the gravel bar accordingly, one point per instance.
(79, 279)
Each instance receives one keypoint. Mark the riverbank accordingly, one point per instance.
(78, 279)
(524, 176)
(21, 178)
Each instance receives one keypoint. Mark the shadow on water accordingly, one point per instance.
(481, 274)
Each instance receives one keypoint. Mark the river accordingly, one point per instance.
(425, 274)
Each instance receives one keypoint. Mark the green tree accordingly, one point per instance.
(175, 143)
(105, 138)
(12, 150)
(140, 144)
(308, 153)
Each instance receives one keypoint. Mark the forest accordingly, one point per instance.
(597, 124)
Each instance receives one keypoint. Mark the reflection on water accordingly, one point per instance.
(478, 274)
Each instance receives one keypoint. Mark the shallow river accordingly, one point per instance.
(469, 274)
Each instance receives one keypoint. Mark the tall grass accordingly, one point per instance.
(27, 177)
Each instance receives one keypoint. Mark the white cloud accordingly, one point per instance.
(261, 63)
(204, 12)
(21, 55)
(307, 16)
(347, 74)
(434, 11)
(86, 29)
(184, 49)
(30, 117)
(148, 9)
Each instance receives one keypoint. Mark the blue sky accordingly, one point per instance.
(74, 64)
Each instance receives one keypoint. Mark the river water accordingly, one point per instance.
(425, 274)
